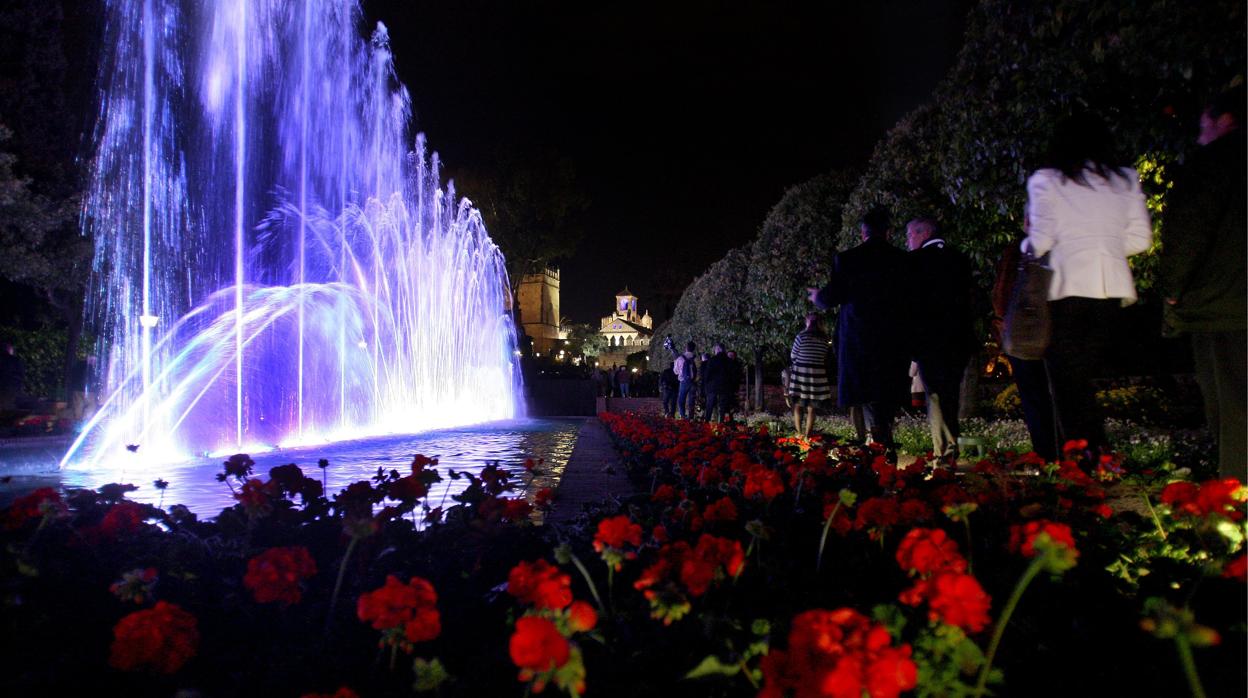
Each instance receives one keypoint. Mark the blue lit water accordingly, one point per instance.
(193, 483)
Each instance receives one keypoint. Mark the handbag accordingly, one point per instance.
(1027, 322)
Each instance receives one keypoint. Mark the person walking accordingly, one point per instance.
(714, 374)
(944, 334)
(686, 373)
(622, 379)
(1087, 212)
(1030, 375)
(1203, 274)
(808, 374)
(669, 385)
(868, 283)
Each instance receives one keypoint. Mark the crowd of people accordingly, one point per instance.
(1086, 215)
(702, 386)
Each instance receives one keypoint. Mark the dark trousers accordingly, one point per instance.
(1220, 358)
(877, 419)
(712, 404)
(669, 402)
(685, 399)
(1032, 380)
(1079, 345)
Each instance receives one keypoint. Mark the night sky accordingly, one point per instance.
(685, 120)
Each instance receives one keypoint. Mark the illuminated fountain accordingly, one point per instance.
(273, 265)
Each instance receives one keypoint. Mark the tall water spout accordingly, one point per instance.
(275, 263)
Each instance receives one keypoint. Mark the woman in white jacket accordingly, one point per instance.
(1088, 214)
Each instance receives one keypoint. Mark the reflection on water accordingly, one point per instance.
(461, 449)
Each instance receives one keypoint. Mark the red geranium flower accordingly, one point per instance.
(342, 692)
(1220, 497)
(537, 645)
(407, 613)
(763, 481)
(581, 617)
(1023, 538)
(123, 518)
(615, 532)
(276, 574)
(926, 551)
(841, 654)
(541, 584)
(957, 599)
(32, 506)
(160, 639)
(722, 510)
(1237, 569)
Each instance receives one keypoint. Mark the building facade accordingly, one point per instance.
(625, 330)
(539, 310)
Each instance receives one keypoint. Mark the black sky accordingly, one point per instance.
(686, 119)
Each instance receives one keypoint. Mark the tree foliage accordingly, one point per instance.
(1147, 67)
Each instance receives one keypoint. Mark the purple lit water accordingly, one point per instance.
(276, 260)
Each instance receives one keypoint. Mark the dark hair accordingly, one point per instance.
(1083, 142)
(1229, 102)
(690, 346)
(876, 221)
(927, 223)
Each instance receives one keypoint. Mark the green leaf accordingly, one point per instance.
(429, 674)
(711, 666)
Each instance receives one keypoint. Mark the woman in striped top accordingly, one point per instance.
(808, 374)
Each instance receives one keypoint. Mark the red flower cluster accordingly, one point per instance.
(722, 510)
(615, 532)
(1023, 538)
(256, 496)
(1220, 497)
(276, 574)
(160, 639)
(763, 481)
(696, 567)
(840, 654)
(30, 507)
(1237, 569)
(541, 584)
(122, 519)
(952, 596)
(927, 551)
(407, 612)
(537, 646)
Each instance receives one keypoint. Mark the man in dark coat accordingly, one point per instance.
(1203, 273)
(869, 283)
(714, 374)
(942, 332)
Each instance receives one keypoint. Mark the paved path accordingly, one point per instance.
(593, 473)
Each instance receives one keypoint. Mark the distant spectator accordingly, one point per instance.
(687, 373)
(714, 374)
(702, 385)
(12, 377)
(1087, 212)
(808, 374)
(601, 383)
(868, 283)
(943, 325)
(1030, 375)
(622, 380)
(669, 386)
(1203, 272)
(731, 387)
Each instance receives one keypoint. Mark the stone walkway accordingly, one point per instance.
(593, 473)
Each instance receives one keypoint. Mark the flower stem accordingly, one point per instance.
(745, 671)
(823, 539)
(1028, 575)
(593, 588)
(1153, 512)
(1189, 665)
(342, 571)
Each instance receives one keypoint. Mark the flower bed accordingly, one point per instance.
(750, 565)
